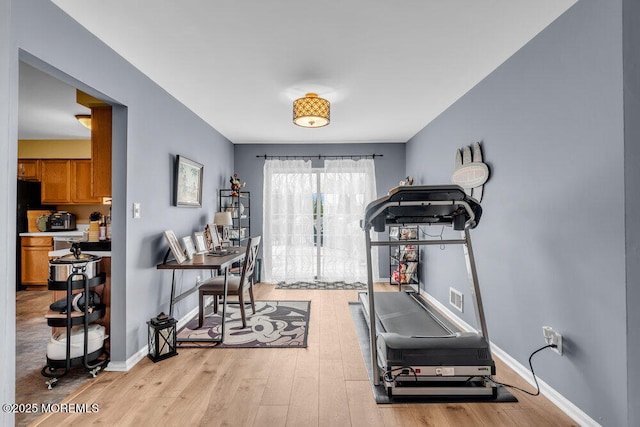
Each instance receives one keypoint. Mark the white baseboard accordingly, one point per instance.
(556, 398)
(140, 354)
(129, 363)
(550, 393)
(186, 318)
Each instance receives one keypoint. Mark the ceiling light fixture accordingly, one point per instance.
(85, 120)
(311, 111)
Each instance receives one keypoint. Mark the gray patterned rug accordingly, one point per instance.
(275, 324)
(317, 284)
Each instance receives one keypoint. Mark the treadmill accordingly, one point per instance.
(415, 351)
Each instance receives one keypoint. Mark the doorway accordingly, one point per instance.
(46, 110)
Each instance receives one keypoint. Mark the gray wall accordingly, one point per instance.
(390, 169)
(551, 247)
(551, 244)
(150, 128)
(8, 153)
(631, 41)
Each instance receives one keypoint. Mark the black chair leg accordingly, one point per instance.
(242, 313)
(201, 310)
(253, 304)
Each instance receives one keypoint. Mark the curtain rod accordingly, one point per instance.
(322, 156)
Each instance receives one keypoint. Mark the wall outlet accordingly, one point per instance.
(552, 337)
(136, 210)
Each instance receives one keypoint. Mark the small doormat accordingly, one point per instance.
(316, 284)
(362, 330)
(275, 324)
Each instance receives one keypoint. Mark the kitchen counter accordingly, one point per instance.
(74, 233)
(62, 233)
(62, 252)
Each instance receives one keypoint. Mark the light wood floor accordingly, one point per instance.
(325, 384)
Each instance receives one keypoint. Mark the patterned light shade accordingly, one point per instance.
(311, 111)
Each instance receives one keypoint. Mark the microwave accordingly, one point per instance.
(62, 221)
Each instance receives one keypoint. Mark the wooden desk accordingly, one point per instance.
(217, 263)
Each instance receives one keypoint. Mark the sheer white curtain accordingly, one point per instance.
(288, 247)
(348, 187)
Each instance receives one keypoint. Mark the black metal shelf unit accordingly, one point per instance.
(239, 204)
(404, 257)
(93, 361)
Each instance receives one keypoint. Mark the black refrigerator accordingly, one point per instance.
(28, 198)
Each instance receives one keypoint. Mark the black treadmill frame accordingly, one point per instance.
(445, 205)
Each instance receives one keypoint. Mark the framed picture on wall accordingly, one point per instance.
(187, 183)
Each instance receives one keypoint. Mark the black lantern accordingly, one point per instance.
(162, 337)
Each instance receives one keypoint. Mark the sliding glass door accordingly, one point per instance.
(312, 220)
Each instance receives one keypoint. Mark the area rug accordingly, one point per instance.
(275, 324)
(316, 284)
(362, 330)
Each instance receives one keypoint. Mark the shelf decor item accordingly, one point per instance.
(224, 221)
(162, 337)
(236, 185)
(187, 183)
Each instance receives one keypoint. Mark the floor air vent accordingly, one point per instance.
(455, 299)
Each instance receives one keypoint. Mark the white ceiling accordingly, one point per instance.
(47, 107)
(387, 67)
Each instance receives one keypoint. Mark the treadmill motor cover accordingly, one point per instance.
(467, 349)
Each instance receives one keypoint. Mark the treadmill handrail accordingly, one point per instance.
(380, 209)
(471, 222)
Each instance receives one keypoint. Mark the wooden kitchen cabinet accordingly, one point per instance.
(29, 169)
(35, 261)
(101, 150)
(82, 182)
(68, 182)
(56, 181)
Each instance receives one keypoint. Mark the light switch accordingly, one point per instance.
(136, 210)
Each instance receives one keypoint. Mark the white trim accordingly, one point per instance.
(129, 363)
(140, 354)
(556, 398)
(186, 318)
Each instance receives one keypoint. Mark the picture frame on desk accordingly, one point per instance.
(200, 242)
(187, 183)
(212, 238)
(175, 247)
(189, 247)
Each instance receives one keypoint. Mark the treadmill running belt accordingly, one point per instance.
(399, 313)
